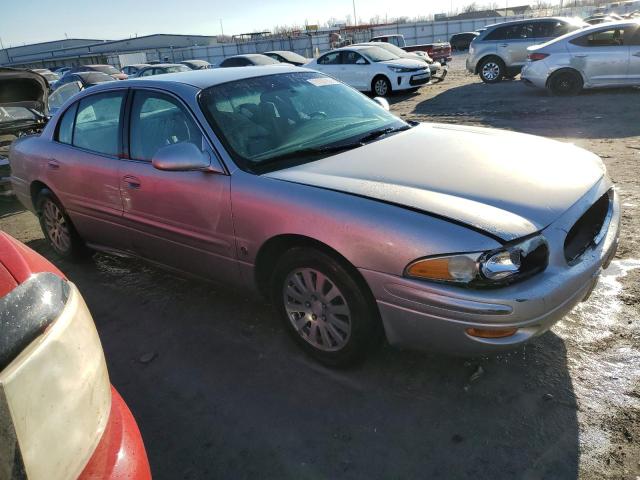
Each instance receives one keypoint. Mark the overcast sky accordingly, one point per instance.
(29, 21)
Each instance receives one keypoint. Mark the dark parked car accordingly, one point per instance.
(107, 69)
(248, 60)
(197, 64)
(160, 68)
(132, 70)
(48, 74)
(86, 79)
(461, 41)
(284, 56)
(60, 71)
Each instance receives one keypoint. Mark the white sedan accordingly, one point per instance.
(372, 69)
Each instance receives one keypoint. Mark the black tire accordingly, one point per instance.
(491, 70)
(565, 83)
(381, 86)
(74, 247)
(363, 318)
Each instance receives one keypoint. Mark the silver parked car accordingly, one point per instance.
(287, 182)
(604, 55)
(501, 50)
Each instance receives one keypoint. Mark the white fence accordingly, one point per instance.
(309, 45)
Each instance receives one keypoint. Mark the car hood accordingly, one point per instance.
(506, 184)
(23, 88)
(405, 62)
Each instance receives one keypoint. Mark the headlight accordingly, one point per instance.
(400, 69)
(513, 262)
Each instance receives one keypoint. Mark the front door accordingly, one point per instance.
(634, 57)
(514, 48)
(180, 219)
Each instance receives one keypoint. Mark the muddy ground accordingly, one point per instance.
(219, 391)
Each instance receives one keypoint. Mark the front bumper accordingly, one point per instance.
(425, 315)
(409, 80)
(120, 454)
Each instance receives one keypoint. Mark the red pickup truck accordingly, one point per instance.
(439, 51)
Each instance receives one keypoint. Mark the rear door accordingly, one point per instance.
(180, 219)
(82, 168)
(331, 64)
(602, 56)
(513, 49)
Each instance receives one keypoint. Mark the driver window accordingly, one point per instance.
(332, 58)
(158, 120)
(353, 58)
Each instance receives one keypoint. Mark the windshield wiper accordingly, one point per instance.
(381, 132)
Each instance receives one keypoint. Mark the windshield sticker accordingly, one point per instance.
(322, 81)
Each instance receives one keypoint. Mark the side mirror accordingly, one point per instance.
(382, 102)
(181, 157)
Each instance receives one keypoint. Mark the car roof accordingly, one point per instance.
(199, 62)
(161, 65)
(358, 46)
(247, 55)
(528, 20)
(137, 65)
(208, 78)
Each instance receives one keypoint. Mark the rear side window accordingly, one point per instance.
(549, 29)
(97, 126)
(158, 120)
(65, 127)
(332, 58)
(614, 37)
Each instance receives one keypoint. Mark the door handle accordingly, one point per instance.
(580, 55)
(53, 164)
(131, 182)
(503, 45)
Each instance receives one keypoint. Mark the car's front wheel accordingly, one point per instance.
(381, 86)
(57, 227)
(565, 83)
(329, 313)
(491, 70)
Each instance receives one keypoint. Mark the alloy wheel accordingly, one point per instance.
(56, 226)
(490, 71)
(381, 87)
(317, 309)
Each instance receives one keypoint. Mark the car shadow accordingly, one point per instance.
(220, 391)
(513, 105)
(10, 206)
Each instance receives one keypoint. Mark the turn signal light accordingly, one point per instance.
(537, 56)
(494, 333)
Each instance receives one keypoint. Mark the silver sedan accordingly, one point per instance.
(605, 55)
(287, 182)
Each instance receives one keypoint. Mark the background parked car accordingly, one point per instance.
(107, 69)
(602, 18)
(161, 68)
(60, 71)
(86, 79)
(372, 69)
(501, 50)
(434, 67)
(48, 74)
(247, 60)
(603, 55)
(60, 412)
(461, 41)
(438, 51)
(285, 56)
(197, 64)
(132, 70)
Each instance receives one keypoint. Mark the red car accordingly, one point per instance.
(59, 415)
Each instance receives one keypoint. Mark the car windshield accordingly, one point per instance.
(177, 68)
(108, 69)
(292, 57)
(274, 121)
(262, 60)
(392, 49)
(376, 54)
(96, 77)
(16, 114)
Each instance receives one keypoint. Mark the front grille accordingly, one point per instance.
(585, 232)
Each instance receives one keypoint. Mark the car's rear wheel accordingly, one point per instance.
(565, 83)
(57, 227)
(491, 70)
(326, 310)
(381, 86)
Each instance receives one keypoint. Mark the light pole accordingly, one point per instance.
(355, 19)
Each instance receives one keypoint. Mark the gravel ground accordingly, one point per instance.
(220, 392)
